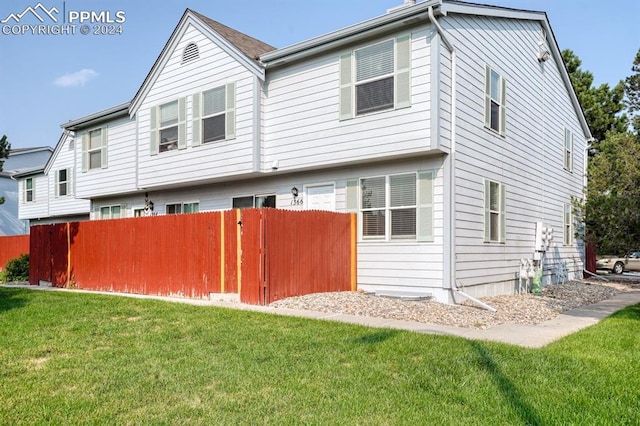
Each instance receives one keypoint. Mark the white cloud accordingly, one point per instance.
(76, 79)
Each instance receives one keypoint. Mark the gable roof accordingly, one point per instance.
(248, 45)
(243, 48)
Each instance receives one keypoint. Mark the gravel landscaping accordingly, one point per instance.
(520, 309)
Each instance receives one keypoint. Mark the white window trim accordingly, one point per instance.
(197, 116)
(58, 183)
(86, 152)
(502, 219)
(567, 148)
(181, 204)
(111, 207)
(502, 101)
(32, 190)
(567, 208)
(401, 78)
(425, 183)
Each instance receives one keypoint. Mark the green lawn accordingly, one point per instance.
(70, 358)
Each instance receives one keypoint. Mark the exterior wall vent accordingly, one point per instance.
(191, 53)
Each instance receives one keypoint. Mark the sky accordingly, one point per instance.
(49, 79)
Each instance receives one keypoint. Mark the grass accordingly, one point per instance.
(69, 358)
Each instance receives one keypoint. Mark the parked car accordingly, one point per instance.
(617, 265)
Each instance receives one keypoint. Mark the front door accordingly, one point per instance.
(321, 197)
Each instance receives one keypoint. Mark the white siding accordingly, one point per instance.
(39, 207)
(302, 126)
(528, 160)
(65, 158)
(120, 174)
(408, 265)
(212, 160)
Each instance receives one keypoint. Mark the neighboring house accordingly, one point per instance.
(47, 194)
(450, 128)
(19, 161)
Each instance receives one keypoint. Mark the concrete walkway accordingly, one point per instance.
(526, 335)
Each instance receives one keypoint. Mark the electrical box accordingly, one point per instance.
(544, 235)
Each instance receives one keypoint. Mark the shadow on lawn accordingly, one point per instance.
(11, 298)
(375, 337)
(509, 391)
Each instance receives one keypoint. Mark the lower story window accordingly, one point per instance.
(568, 225)
(110, 212)
(257, 201)
(395, 207)
(179, 208)
(494, 212)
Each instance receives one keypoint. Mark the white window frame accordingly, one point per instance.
(198, 117)
(29, 192)
(386, 76)
(567, 224)
(182, 206)
(156, 145)
(423, 206)
(568, 150)
(401, 76)
(499, 100)
(110, 211)
(88, 150)
(59, 183)
(499, 212)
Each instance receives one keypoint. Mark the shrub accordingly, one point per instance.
(17, 269)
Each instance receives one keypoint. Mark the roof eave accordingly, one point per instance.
(97, 118)
(399, 17)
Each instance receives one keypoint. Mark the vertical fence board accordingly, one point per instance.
(307, 252)
(12, 247)
(265, 254)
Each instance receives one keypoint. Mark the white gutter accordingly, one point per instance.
(451, 157)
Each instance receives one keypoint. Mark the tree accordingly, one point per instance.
(632, 92)
(603, 106)
(5, 147)
(612, 207)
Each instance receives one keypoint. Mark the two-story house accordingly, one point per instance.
(451, 129)
(20, 161)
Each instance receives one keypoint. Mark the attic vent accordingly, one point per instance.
(190, 53)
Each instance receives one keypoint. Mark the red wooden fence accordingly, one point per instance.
(12, 247)
(198, 254)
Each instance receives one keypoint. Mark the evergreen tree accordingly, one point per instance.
(5, 147)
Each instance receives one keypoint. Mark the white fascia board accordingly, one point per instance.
(98, 117)
(56, 151)
(348, 35)
(502, 12)
(158, 66)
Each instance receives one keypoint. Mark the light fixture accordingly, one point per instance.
(543, 56)
(294, 192)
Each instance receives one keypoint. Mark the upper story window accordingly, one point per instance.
(168, 126)
(568, 150)
(190, 53)
(63, 182)
(214, 117)
(94, 149)
(395, 207)
(168, 129)
(495, 101)
(376, 78)
(29, 190)
(494, 212)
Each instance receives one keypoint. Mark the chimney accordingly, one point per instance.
(406, 3)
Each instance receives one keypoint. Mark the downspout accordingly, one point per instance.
(452, 167)
(452, 152)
